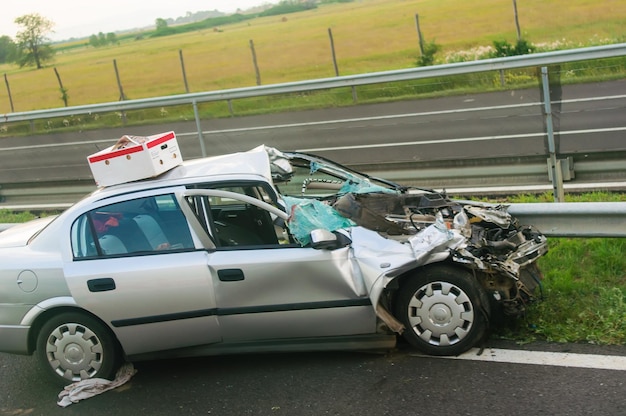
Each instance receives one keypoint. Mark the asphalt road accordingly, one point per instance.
(395, 383)
(588, 118)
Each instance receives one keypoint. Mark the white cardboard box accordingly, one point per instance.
(134, 157)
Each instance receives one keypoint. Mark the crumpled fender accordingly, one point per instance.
(381, 259)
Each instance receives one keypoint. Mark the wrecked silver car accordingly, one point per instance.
(258, 251)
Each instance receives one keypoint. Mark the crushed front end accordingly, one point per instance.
(482, 237)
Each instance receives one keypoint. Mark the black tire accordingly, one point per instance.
(74, 346)
(444, 310)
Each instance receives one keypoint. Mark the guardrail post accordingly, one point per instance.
(199, 127)
(554, 163)
(230, 108)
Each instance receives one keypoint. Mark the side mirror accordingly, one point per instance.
(326, 240)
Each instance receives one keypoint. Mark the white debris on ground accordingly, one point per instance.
(85, 389)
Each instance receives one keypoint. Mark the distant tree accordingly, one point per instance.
(111, 38)
(7, 49)
(289, 6)
(102, 40)
(161, 24)
(94, 41)
(32, 48)
(162, 28)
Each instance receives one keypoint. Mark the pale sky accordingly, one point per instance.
(76, 18)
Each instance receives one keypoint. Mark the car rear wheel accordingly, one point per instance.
(73, 347)
(444, 310)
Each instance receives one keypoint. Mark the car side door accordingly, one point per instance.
(268, 286)
(137, 266)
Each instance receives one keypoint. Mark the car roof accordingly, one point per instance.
(250, 165)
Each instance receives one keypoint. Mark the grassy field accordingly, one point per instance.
(369, 35)
(584, 289)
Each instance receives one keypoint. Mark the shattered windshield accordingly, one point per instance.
(374, 203)
(314, 176)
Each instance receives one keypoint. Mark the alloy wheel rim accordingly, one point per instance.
(74, 351)
(441, 313)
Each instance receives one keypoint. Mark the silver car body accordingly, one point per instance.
(203, 295)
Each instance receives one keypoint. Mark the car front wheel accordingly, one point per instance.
(73, 347)
(444, 310)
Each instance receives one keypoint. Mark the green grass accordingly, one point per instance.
(584, 294)
(584, 290)
(9, 217)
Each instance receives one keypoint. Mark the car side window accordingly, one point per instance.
(234, 223)
(145, 225)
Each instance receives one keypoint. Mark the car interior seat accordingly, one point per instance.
(111, 245)
(152, 230)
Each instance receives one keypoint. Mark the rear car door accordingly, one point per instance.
(268, 286)
(137, 266)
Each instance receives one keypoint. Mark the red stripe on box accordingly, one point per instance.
(117, 153)
(160, 140)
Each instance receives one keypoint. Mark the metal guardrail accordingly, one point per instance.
(495, 64)
(566, 219)
(574, 219)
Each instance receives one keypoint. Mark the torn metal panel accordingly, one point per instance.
(435, 243)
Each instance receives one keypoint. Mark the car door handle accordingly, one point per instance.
(101, 285)
(230, 275)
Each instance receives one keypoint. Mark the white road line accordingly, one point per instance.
(458, 140)
(558, 359)
(362, 146)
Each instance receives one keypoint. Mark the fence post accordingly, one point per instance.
(182, 65)
(519, 33)
(119, 82)
(419, 34)
(332, 50)
(256, 65)
(119, 86)
(63, 90)
(554, 163)
(6, 81)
